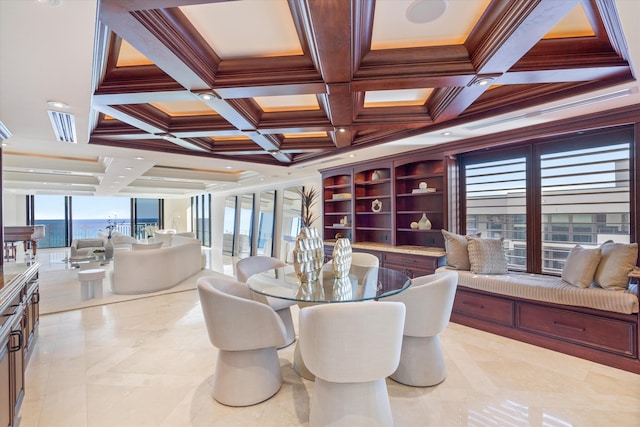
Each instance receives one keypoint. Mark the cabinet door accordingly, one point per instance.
(16, 365)
(6, 406)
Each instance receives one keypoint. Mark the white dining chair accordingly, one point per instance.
(247, 334)
(429, 301)
(246, 267)
(351, 348)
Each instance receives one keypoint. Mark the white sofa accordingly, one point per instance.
(152, 270)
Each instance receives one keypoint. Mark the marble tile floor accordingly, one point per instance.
(149, 362)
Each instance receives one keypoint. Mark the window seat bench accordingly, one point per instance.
(591, 323)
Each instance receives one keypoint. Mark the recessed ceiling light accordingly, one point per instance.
(128, 168)
(483, 81)
(138, 158)
(423, 11)
(228, 167)
(352, 155)
(446, 133)
(209, 96)
(58, 104)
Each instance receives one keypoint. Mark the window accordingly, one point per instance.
(148, 216)
(496, 204)
(201, 218)
(543, 198)
(91, 216)
(52, 212)
(584, 199)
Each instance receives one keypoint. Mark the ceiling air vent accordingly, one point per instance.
(64, 126)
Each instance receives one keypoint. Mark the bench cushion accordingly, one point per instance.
(552, 289)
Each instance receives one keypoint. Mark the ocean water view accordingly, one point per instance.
(56, 230)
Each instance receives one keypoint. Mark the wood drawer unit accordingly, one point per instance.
(412, 265)
(490, 308)
(611, 335)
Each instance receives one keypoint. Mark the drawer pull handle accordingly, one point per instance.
(473, 305)
(573, 328)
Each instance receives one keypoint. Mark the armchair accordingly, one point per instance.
(83, 247)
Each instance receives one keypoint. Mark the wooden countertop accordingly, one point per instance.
(405, 249)
(12, 278)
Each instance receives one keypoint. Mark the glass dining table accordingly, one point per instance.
(361, 284)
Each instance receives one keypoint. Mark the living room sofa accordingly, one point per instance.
(157, 269)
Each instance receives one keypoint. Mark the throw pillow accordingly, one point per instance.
(580, 266)
(617, 260)
(456, 248)
(144, 246)
(487, 256)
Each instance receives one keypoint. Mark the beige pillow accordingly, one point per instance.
(580, 266)
(616, 261)
(144, 246)
(456, 247)
(486, 256)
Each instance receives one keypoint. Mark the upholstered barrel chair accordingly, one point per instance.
(247, 334)
(429, 301)
(246, 267)
(351, 348)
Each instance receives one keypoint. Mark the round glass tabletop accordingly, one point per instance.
(362, 283)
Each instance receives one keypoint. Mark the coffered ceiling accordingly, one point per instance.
(287, 81)
(216, 92)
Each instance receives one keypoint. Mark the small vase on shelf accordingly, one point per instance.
(424, 223)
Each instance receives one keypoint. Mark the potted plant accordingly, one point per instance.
(309, 199)
(308, 253)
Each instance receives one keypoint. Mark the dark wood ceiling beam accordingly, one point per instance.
(141, 35)
(271, 144)
(328, 33)
(329, 28)
(271, 76)
(229, 92)
(581, 74)
(229, 110)
(143, 78)
(338, 104)
(194, 145)
(126, 97)
(133, 118)
(496, 45)
(507, 31)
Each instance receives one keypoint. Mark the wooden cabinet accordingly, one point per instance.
(412, 265)
(19, 317)
(420, 190)
(12, 359)
(337, 204)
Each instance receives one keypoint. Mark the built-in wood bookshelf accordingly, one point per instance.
(412, 201)
(385, 198)
(374, 203)
(337, 203)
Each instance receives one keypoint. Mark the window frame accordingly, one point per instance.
(532, 150)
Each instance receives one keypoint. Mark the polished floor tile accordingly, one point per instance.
(149, 362)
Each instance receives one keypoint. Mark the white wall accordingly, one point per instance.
(177, 214)
(14, 209)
